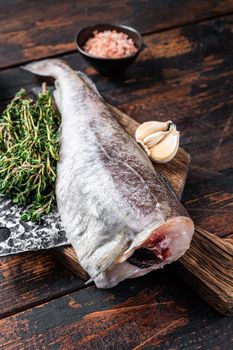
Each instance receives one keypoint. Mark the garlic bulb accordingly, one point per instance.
(160, 140)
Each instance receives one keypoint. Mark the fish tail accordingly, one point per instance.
(48, 67)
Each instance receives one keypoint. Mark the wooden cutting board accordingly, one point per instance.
(208, 264)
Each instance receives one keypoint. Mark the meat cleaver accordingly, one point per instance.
(18, 236)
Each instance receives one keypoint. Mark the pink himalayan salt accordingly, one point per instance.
(110, 44)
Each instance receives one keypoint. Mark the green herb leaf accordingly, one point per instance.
(29, 150)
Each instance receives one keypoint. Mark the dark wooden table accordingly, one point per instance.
(185, 74)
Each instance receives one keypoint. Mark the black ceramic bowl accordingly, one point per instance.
(109, 66)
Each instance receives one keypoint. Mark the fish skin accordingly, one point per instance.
(109, 196)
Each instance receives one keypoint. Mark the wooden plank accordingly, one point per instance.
(180, 62)
(32, 30)
(209, 267)
(184, 75)
(32, 278)
(156, 311)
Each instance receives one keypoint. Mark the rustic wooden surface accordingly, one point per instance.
(29, 34)
(184, 74)
(153, 312)
(29, 279)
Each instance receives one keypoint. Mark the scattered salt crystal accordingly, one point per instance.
(110, 44)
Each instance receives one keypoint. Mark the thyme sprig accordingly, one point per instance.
(29, 150)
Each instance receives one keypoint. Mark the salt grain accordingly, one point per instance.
(110, 44)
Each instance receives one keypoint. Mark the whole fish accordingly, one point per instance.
(119, 214)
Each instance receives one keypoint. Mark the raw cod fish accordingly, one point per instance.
(118, 213)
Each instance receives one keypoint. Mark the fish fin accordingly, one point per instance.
(88, 82)
(57, 95)
(107, 261)
(92, 279)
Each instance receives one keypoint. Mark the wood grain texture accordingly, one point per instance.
(155, 311)
(35, 29)
(31, 278)
(183, 74)
(209, 267)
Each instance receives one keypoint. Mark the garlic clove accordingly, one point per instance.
(166, 149)
(160, 140)
(155, 138)
(151, 127)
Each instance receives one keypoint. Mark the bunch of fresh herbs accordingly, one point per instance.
(29, 150)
